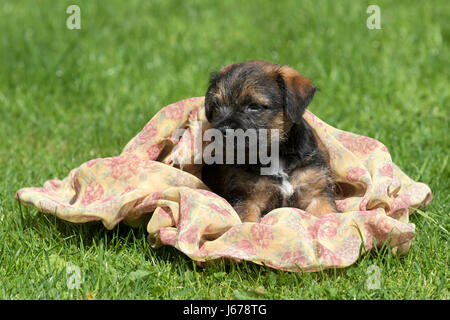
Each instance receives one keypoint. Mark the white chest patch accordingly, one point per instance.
(286, 187)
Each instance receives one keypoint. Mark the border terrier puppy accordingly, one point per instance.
(261, 95)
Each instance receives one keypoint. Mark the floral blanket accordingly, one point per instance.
(150, 183)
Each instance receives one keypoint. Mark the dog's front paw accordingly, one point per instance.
(321, 206)
(248, 211)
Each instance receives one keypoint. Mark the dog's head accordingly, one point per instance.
(257, 95)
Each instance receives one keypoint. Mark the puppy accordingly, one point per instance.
(262, 95)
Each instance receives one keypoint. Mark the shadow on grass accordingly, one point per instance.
(90, 235)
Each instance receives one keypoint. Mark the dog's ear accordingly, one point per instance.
(208, 96)
(298, 92)
(208, 108)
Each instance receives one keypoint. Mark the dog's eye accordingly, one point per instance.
(254, 106)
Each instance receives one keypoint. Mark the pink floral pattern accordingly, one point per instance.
(354, 174)
(328, 226)
(295, 257)
(387, 171)
(154, 150)
(168, 236)
(247, 247)
(359, 144)
(261, 235)
(190, 235)
(93, 162)
(149, 131)
(220, 210)
(270, 220)
(94, 192)
(185, 214)
(123, 168)
(328, 257)
(174, 111)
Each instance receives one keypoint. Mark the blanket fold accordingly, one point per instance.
(156, 180)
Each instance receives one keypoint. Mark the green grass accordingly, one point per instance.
(67, 96)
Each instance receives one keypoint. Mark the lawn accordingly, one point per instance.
(67, 96)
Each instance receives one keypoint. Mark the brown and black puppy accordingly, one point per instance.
(262, 95)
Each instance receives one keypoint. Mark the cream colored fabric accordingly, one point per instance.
(144, 185)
